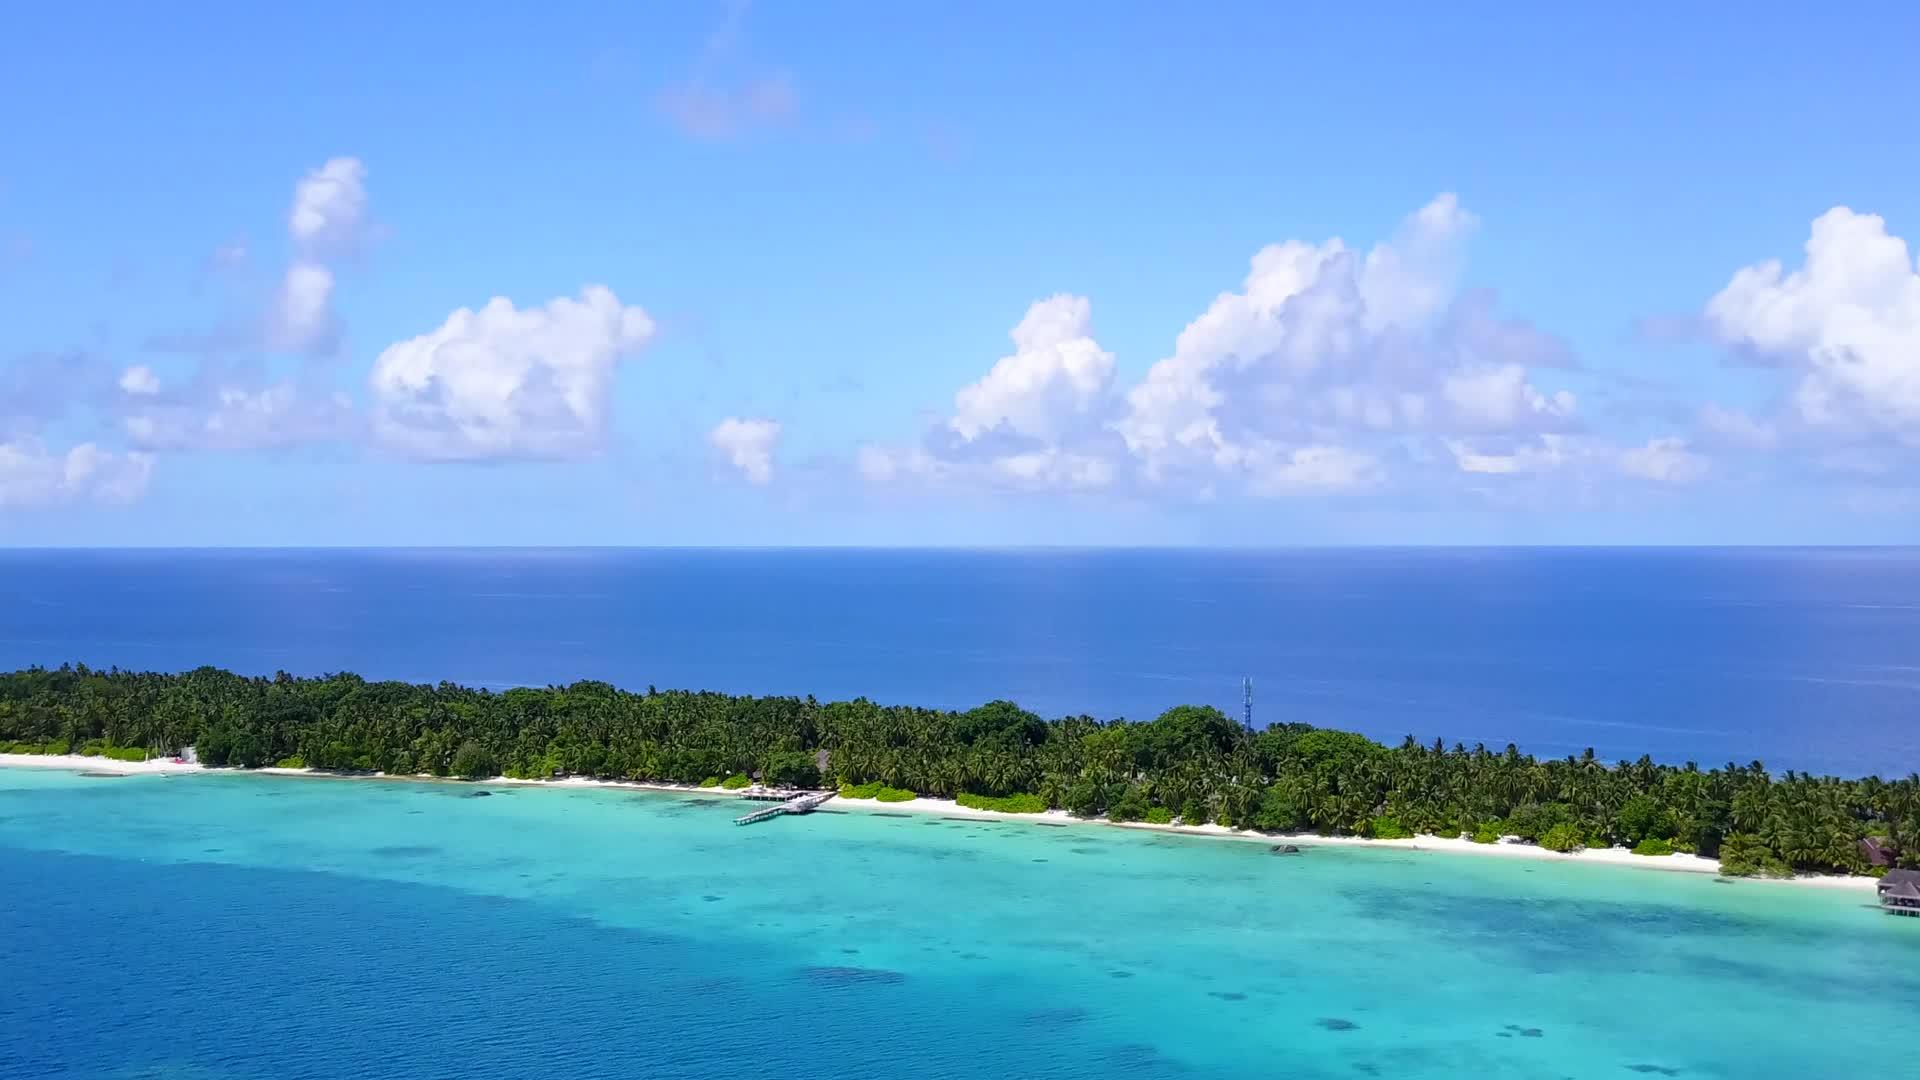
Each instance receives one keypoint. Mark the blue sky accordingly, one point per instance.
(957, 274)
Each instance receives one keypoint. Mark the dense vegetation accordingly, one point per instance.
(1022, 803)
(1192, 764)
(874, 789)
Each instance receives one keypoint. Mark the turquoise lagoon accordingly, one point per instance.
(251, 926)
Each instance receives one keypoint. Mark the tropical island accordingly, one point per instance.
(1192, 765)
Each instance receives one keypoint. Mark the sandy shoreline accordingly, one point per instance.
(1693, 864)
(94, 764)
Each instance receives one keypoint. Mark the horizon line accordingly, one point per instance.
(1247, 548)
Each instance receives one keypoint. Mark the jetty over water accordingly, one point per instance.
(804, 803)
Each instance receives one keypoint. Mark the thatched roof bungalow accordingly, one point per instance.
(1878, 851)
(1900, 892)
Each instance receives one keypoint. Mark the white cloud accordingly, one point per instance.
(1848, 320)
(748, 446)
(33, 477)
(1500, 398)
(326, 222)
(506, 382)
(329, 213)
(140, 380)
(303, 318)
(1032, 423)
(225, 406)
(1324, 365)
(1410, 280)
(1056, 374)
(1323, 348)
(328, 219)
(1665, 460)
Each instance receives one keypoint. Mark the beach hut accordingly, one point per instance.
(1900, 892)
(1878, 851)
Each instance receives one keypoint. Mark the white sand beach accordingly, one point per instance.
(1508, 848)
(83, 763)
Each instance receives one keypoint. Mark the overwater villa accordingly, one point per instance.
(1900, 892)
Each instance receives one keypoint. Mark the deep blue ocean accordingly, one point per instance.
(220, 926)
(1805, 659)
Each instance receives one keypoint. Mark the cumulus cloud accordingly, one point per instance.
(1325, 363)
(505, 382)
(238, 405)
(748, 446)
(1847, 321)
(1056, 374)
(328, 220)
(1324, 346)
(329, 212)
(34, 477)
(1033, 422)
(498, 382)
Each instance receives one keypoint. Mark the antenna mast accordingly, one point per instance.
(1246, 687)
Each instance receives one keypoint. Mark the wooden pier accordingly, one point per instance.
(792, 804)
